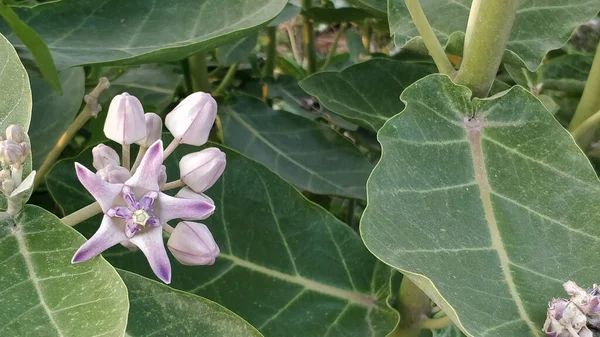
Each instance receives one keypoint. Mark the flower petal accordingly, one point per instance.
(108, 235)
(104, 192)
(151, 243)
(169, 208)
(146, 176)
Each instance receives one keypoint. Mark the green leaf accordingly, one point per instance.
(237, 51)
(308, 154)
(484, 204)
(355, 46)
(15, 94)
(304, 273)
(43, 294)
(366, 93)
(35, 44)
(289, 67)
(377, 5)
(295, 101)
(176, 313)
(153, 84)
(52, 112)
(288, 13)
(140, 31)
(538, 28)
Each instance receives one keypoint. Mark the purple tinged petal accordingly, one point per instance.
(108, 235)
(129, 197)
(131, 228)
(148, 172)
(147, 201)
(119, 212)
(169, 208)
(151, 243)
(104, 193)
(153, 222)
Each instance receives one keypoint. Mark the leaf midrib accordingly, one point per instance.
(474, 128)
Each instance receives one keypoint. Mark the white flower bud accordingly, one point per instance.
(565, 319)
(200, 170)
(4, 175)
(192, 244)
(187, 193)
(153, 129)
(11, 153)
(8, 186)
(114, 174)
(15, 132)
(190, 122)
(162, 176)
(125, 122)
(103, 156)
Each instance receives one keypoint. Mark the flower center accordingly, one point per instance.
(140, 217)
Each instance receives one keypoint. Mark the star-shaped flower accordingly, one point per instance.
(137, 221)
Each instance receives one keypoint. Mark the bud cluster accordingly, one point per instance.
(578, 316)
(190, 122)
(14, 150)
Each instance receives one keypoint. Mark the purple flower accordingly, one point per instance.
(135, 210)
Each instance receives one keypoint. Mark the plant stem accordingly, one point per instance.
(590, 99)
(138, 159)
(310, 53)
(172, 146)
(90, 110)
(434, 323)
(368, 32)
(220, 134)
(586, 126)
(271, 52)
(82, 214)
(293, 43)
(199, 72)
(472, 18)
(226, 80)
(414, 305)
(431, 42)
(126, 156)
(172, 184)
(333, 49)
(488, 36)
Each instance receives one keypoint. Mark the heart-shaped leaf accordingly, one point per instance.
(141, 31)
(52, 112)
(177, 313)
(308, 154)
(43, 294)
(493, 185)
(302, 270)
(237, 51)
(367, 93)
(538, 28)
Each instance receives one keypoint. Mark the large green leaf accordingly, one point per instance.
(488, 205)
(287, 266)
(237, 51)
(15, 94)
(43, 294)
(538, 28)
(34, 43)
(162, 311)
(53, 112)
(379, 6)
(141, 31)
(367, 93)
(308, 154)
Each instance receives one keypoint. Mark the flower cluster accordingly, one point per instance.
(135, 210)
(575, 317)
(14, 151)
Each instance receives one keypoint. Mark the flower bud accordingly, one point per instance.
(564, 319)
(192, 119)
(200, 170)
(15, 132)
(125, 122)
(5, 174)
(11, 153)
(26, 151)
(587, 301)
(153, 129)
(114, 174)
(162, 176)
(187, 193)
(103, 156)
(8, 186)
(192, 244)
